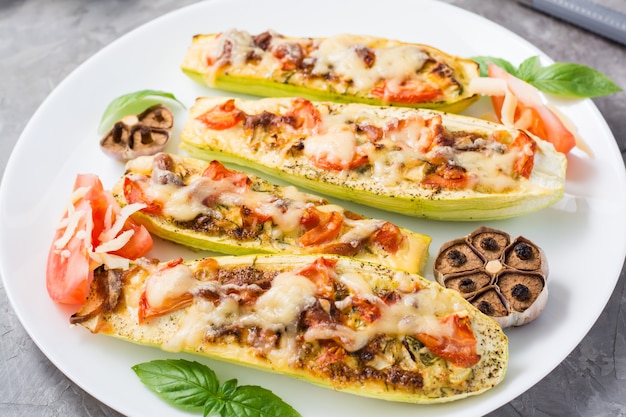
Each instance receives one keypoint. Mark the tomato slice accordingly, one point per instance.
(92, 213)
(216, 171)
(366, 309)
(322, 227)
(146, 311)
(357, 161)
(448, 177)
(530, 113)
(525, 163)
(389, 236)
(223, 116)
(321, 272)
(406, 93)
(459, 347)
(307, 117)
(133, 193)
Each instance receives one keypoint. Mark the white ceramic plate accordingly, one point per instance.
(583, 236)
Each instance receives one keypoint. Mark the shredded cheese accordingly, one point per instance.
(74, 218)
(110, 261)
(112, 230)
(116, 243)
(78, 194)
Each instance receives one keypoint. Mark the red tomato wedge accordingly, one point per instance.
(69, 271)
(86, 224)
(531, 114)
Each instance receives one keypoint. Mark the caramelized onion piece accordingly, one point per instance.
(105, 295)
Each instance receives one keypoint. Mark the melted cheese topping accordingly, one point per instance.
(418, 310)
(335, 147)
(202, 194)
(281, 210)
(494, 172)
(338, 55)
(410, 146)
(282, 304)
(169, 284)
(413, 314)
(361, 229)
(358, 63)
(289, 323)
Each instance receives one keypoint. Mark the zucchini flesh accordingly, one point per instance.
(416, 162)
(237, 213)
(341, 68)
(338, 322)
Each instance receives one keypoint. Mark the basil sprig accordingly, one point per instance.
(561, 78)
(194, 386)
(132, 103)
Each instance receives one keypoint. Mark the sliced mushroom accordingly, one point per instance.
(136, 135)
(503, 279)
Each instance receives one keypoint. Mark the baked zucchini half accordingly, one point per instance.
(342, 68)
(205, 205)
(337, 322)
(412, 161)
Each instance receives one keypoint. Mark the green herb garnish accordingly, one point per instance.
(561, 78)
(132, 103)
(194, 386)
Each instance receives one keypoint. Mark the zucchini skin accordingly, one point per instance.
(412, 256)
(544, 187)
(282, 83)
(119, 319)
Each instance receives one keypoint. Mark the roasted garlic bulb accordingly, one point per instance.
(504, 279)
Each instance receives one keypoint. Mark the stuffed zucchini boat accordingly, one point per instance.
(342, 68)
(206, 205)
(412, 161)
(338, 322)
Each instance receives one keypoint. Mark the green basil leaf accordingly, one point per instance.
(132, 103)
(228, 388)
(255, 401)
(214, 408)
(191, 385)
(483, 61)
(528, 69)
(180, 382)
(574, 80)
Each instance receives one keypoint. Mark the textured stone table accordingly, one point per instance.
(42, 41)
